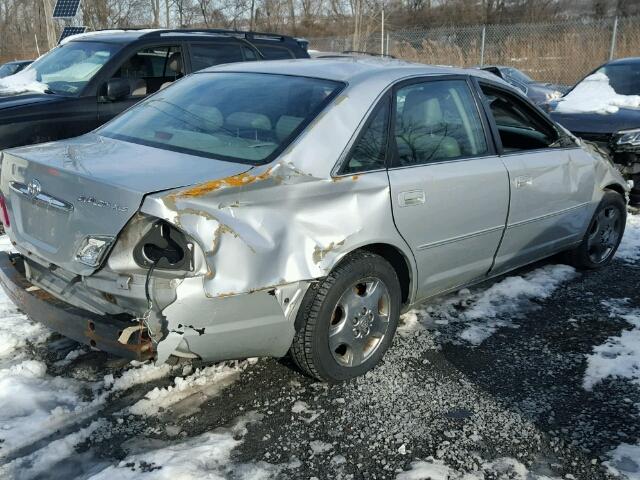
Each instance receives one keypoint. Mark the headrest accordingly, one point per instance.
(211, 116)
(422, 108)
(286, 125)
(248, 120)
(175, 63)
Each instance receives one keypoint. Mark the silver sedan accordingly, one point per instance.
(297, 206)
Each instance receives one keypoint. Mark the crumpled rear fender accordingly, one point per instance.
(276, 225)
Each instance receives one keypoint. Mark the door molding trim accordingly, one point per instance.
(547, 215)
(460, 238)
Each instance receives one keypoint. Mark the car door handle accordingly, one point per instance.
(524, 181)
(411, 197)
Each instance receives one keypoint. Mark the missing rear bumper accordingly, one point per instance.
(107, 333)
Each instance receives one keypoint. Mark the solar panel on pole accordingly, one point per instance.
(66, 8)
(68, 31)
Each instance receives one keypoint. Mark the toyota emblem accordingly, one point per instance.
(34, 188)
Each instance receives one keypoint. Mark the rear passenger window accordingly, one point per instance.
(519, 126)
(436, 121)
(275, 53)
(203, 56)
(369, 151)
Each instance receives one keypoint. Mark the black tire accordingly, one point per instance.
(582, 256)
(317, 314)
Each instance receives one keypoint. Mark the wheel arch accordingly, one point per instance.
(616, 188)
(400, 263)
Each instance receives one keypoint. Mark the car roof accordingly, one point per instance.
(624, 61)
(347, 69)
(132, 35)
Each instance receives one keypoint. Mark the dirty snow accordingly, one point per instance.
(629, 249)
(434, 469)
(595, 94)
(22, 82)
(205, 456)
(487, 310)
(197, 387)
(625, 461)
(619, 356)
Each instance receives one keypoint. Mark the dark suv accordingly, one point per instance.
(91, 78)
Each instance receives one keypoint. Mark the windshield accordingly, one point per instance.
(518, 75)
(243, 117)
(624, 78)
(8, 69)
(69, 67)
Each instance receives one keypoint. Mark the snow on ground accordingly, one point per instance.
(22, 82)
(501, 468)
(629, 250)
(497, 306)
(619, 356)
(625, 461)
(200, 385)
(205, 456)
(595, 94)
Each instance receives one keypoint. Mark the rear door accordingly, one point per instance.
(208, 54)
(551, 181)
(449, 191)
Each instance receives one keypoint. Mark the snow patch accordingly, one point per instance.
(205, 456)
(22, 82)
(595, 94)
(625, 461)
(629, 249)
(200, 385)
(619, 356)
(34, 405)
(501, 468)
(40, 461)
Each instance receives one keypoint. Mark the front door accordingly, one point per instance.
(449, 191)
(551, 182)
(147, 70)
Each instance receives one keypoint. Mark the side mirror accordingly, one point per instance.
(117, 89)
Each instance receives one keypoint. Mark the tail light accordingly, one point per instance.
(4, 212)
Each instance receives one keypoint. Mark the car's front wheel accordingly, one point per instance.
(604, 234)
(346, 321)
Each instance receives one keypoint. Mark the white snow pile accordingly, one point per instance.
(619, 356)
(204, 456)
(501, 468)
(625, 461)
(495, 307)
(629, 249)
(199, 386)
(595, 94)
(22, 82)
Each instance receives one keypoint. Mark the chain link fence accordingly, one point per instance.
(552, 52)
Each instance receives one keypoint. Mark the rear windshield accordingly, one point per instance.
(242, 117)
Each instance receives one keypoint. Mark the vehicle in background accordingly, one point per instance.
(604, 108)
(11, 68)
(264, 229)
(90, 78)
(538, 92)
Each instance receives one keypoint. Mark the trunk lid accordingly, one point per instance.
(59, 193)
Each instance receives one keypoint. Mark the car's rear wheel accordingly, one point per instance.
(346, 321)
(604, 234)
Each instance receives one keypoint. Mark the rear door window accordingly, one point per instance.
(272, 52)
(207, 55)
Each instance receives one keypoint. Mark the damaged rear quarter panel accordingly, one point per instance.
(276, 227)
